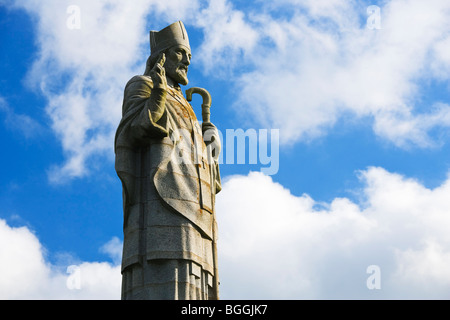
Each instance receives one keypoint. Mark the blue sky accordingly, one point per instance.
(363, 116)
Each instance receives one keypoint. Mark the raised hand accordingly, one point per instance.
(158, 73)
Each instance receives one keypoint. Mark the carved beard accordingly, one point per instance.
(178, 73)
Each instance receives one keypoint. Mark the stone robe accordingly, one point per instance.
(168, 198)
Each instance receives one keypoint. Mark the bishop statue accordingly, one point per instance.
(168, 165)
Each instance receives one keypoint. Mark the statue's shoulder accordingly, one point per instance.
(140, 81)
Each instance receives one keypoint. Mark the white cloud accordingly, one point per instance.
(26, 125)
(23, 265)
(308, 68)
(324, 63)
(425, 269)
(25, 273)
(113, 248)
(227, 35)
(298, 66)
(82, 71)
(275, 245)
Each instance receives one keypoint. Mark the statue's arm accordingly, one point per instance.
(145, 107)
(151, 122)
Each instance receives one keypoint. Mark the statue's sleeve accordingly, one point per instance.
(144, 107)
(135, 129)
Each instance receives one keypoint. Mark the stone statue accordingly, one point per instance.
(168, 166)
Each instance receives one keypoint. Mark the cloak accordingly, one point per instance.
(170, 153)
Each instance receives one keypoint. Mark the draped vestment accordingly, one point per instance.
(169, 187)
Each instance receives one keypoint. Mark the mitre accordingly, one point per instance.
(170, 36)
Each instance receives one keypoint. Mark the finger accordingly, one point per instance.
(162, 59)
(157, 76)
(159, 65)
(158, 69)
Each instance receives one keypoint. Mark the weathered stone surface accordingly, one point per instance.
(169, 180)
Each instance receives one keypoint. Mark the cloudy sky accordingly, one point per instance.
(341, 189)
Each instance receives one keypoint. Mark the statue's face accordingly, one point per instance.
(178, 59)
